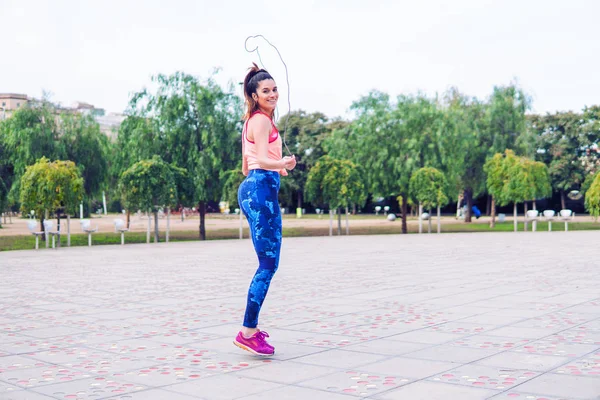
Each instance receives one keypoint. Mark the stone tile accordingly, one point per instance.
(386, 347)
(523, 332)
(479, 376)
(155, 394)
(588, 365)
(426, 337)
(224, 387)
(356, 382)
(514, 360)
(97, 387)
(55, 331)
(340, 359)
(409, 367)
(424, 390)
(571, 387)
(452, 354)
(297, 393)
(25, 395)
(288, 372)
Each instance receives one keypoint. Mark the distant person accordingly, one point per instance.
(262, 163)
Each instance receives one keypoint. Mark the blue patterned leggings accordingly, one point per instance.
(257, 196)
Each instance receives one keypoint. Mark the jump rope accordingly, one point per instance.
(287, 78)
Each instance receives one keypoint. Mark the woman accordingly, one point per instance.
(262, 163)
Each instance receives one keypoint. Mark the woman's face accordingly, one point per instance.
(267, 95)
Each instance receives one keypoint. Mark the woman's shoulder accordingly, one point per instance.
(259, 120)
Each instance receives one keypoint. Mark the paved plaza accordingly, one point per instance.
(437, 317)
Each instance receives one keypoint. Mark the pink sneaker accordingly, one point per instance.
(256, 344)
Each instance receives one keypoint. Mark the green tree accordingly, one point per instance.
(561, 144)
(233, 179)
(394, 140)
(428, 187)
(51, 187)
(30, 134)
(464, 145)
(305, 135)
(149, 185)
(337, 183)
(592, 198)
(6, 175)
(88, 147)
(191, 124)
(497, 176)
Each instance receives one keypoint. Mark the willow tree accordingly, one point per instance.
(336, 183)
(192, 124)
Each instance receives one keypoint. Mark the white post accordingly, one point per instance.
(566, 226)
(330, 222)
(241, 225)
(438, 220)
(168, 223)
(347, 223)
(81, 211)
(535, 220)
(122, 238)
(45, 231)
(90, 239)
(549, 226)
(68, 231)
(148, 232)
(37, 242)
(420, 218)
(104, 201)
(515, 216)
(53, 241)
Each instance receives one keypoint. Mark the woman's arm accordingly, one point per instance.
(244, 158)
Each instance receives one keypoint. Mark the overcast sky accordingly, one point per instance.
(336, 50)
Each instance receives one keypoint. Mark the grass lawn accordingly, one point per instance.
(28, 242)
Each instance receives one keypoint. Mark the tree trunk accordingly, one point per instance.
(128, 219)
(339, 212)
(469, 203)
(515, 216)
(526, 224)
(155, 226)
(563, 203)
(300, 199)
(347, 223)
(420, 216)
(493, 210)
(202, 212)
(148, 230)
(488, 207)
(42, 228)
(429, 220)
(58, 227)
(404, 211)
(330, 222)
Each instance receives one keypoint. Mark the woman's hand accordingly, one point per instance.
(289, 163)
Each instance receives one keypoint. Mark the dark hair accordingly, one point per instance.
(251, 81)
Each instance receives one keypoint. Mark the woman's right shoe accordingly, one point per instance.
(256, 344)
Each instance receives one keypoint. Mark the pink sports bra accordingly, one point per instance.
(275, 151)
